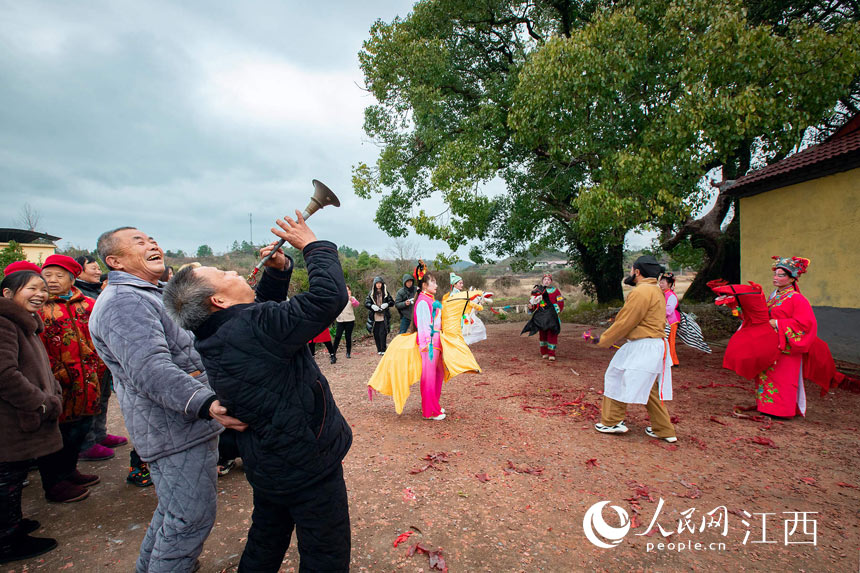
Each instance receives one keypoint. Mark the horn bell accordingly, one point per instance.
(322, 197)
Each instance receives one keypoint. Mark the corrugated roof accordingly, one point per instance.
(24, 236)
(840, 153)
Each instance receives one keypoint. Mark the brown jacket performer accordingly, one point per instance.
(639, 373)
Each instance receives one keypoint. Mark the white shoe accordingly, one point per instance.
(618, 428)
(380, 353)
(544, 356)
(443, 410)
(439, 417)
(670, 439)
(552, 358)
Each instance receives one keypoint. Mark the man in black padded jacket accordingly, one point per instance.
(254, 348)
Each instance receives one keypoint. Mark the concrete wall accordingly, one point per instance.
(819, 220)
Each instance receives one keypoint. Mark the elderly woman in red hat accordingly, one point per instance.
(78, 368)
(780, 390)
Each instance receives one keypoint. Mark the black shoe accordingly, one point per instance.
(348, 355)
(26, 526)
(22, 546)
(332, 358)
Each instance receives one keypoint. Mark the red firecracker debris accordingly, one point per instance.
(402, 537)
(591, 463)
(483, 478)
(762, 441)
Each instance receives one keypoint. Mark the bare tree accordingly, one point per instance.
(403, 250)
(405, 253)
(28, 217)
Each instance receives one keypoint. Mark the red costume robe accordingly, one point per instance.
(778, 361)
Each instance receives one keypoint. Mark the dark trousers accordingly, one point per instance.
(340, 329)
(328, 346)
(98, 431)
(380, 333)
(405, 321)
(228, 446)
(12, 476)
(60, 465)
(320, 515)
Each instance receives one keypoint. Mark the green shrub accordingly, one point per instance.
(474, 279)
(566, 277)
(505, 282)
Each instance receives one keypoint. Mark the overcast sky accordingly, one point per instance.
(183, 118)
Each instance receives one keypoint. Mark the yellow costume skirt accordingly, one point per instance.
(400, 367)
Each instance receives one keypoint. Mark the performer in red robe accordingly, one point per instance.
(781, 348)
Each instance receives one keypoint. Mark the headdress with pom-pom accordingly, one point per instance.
(795, 266)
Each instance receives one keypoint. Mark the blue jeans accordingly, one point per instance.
(404, 324)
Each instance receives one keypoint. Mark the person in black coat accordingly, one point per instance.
(378, 303)
(254, 348)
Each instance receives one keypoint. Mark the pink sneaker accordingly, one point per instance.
(112, 441)
(96, 453)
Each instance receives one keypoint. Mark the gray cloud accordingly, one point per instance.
(183, 119)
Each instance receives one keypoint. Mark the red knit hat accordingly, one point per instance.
(21, 266)
(65, 262)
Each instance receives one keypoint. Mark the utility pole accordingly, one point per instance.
(251, 226)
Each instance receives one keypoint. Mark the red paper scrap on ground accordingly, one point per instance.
(401, 538)
(762, 441)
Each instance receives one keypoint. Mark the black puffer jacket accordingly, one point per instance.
(257, 359)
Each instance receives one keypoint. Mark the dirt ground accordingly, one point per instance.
(516, 466)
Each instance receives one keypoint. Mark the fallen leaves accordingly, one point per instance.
(808, 480)
(483, 478)
(436, 560)
(536, 471)
(591, 463)
(437, 458)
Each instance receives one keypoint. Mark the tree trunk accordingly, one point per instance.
(722, 260)
(722, 249)
(603, 269)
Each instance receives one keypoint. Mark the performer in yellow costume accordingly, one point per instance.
(401, 366)
(472, 327)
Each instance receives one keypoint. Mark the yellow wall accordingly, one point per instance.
(35, 253)
(819, 220)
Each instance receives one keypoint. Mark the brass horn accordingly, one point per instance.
(322, 197)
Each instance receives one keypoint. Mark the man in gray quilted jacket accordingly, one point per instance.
(170, 411)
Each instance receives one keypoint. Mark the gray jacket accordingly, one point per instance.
(151, 359)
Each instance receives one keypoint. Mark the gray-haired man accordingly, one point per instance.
(170, 411)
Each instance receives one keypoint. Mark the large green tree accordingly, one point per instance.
(444, 78)
(600, 117)
(657, 93)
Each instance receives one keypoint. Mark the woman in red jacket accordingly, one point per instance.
(78, 369)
